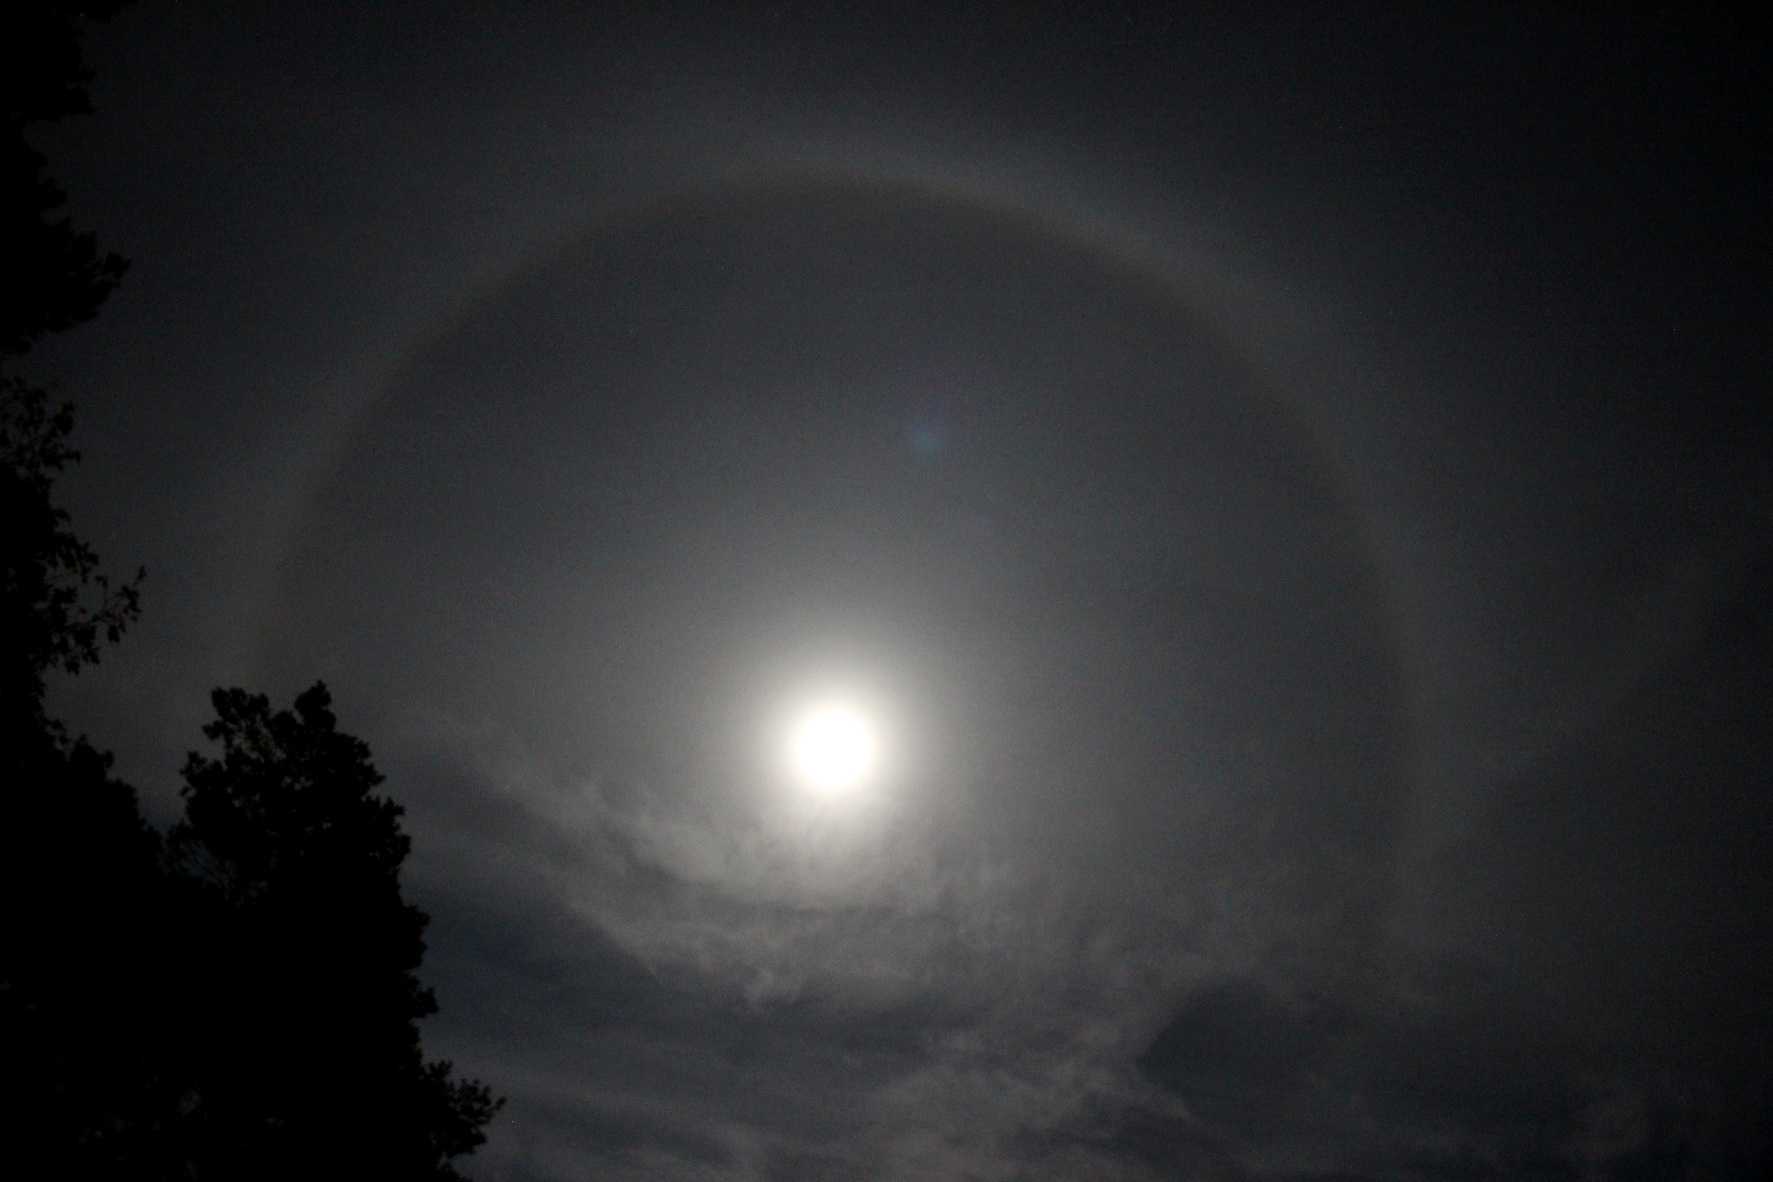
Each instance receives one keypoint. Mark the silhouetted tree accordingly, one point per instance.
(239, 1001)
(56, 275)
(79, 868)
(305, 1008)
(85, 1077)
(56, 606)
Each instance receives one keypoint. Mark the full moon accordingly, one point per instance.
(832, 747)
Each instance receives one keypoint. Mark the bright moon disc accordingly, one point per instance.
(832, 748)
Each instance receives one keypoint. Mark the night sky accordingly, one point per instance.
(1289, 497)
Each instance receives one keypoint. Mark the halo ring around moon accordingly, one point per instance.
(1142, 261)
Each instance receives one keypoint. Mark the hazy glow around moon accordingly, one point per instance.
(833, 747)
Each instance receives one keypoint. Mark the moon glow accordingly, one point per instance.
(833, 748)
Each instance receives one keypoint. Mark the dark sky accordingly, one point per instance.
(1293, 492)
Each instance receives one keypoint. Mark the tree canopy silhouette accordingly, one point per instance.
(57, 605)
(239, 999)
(57, 276)
(306, 940)
(79, 867)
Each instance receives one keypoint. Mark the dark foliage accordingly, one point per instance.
(58, 607)
(239, 1000)
(80, 869)
(303, 938)
(56, 604)
(57, 276)
(85, 1078)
